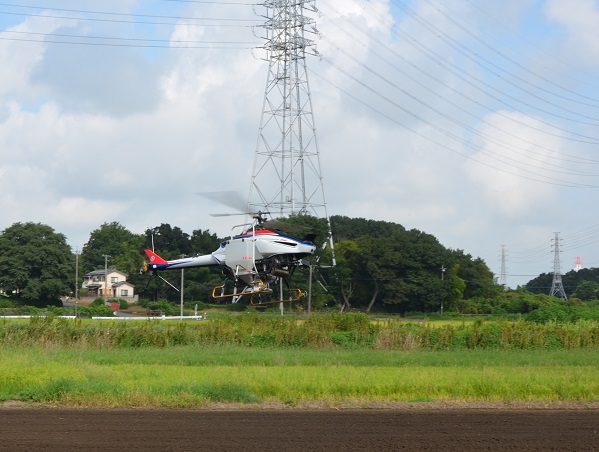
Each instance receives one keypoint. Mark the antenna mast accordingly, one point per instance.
(286, 177)
(557, 288)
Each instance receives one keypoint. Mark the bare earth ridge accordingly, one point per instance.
(311, 427)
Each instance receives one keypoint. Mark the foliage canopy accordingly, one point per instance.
(35, 263)
(379, 265)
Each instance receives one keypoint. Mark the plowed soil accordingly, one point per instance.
(410, 429)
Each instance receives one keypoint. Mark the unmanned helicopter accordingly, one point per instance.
(255, 259)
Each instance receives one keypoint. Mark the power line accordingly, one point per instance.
(564, 133)
(167, 43)
(108, 44)
(467, 30)
(560, 158)
(138, 22)
(463, 73)
(111, 13)
(559, 167)
(537, 48)
(212, 3)
(534, 176)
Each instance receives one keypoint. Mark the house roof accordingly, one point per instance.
(123, 283)
(102, 272)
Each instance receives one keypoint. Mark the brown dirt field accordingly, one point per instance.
(410, 427)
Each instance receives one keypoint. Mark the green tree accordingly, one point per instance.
(571, 280)
(203, 242)
(36, 264)
(458, 286)
(348, 260)
(378, 265)
(345, 228)
(114, 240)
(540, 284)
(477, 275)
(586, 290)
(169, 242)
(401, 270)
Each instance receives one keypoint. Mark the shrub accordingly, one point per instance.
(6, 303)
(96, 311)
(162, 305)
(98, 301)
(236, 307)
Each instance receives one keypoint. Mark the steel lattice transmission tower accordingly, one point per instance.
(286, 177)
(503, 272)
(557, 288)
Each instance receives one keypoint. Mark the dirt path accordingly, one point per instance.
(59, 429)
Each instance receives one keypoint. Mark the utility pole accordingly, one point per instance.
(76, 279)
(557, 288)
(310, 291)
(106, 256)
(76, 274)
(182, 283)
(443, 270)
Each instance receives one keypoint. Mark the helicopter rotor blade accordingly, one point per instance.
(231, 199)
(234, 200)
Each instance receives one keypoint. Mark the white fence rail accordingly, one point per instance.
(161, 317)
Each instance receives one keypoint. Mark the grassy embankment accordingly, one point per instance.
(331, 360)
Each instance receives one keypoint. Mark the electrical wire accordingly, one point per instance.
(534, 177)
(558, 167)
(561, 157)
(166, 43)
(110, 13)
(580, 239)
(137, 22)
(496, 51)
(563, 132)
(466, 75)
(551, 55)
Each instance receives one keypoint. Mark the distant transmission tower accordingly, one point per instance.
(286, 177)
(503, 272)
(557, 288)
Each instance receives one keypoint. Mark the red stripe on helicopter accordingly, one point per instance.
(259, 232)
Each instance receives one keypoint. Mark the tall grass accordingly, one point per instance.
(333, 331)
(192, 376)
(332, 359)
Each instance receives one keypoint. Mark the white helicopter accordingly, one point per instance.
(256, 258)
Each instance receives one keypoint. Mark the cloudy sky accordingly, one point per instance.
(475, 121)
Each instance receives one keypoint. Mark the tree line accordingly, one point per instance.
(373, 266)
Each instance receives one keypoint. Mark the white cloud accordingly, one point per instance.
(20, 55)
(95, 135)
(580, 19)
(517, 158)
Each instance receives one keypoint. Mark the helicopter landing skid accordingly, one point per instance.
(257, 287)
(294, 295)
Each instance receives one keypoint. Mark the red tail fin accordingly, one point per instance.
(155, 258)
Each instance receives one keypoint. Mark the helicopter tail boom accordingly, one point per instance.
(158, 263)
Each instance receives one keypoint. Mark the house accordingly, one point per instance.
(113, 286)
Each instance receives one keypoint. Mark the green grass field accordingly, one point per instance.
(191, 376)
